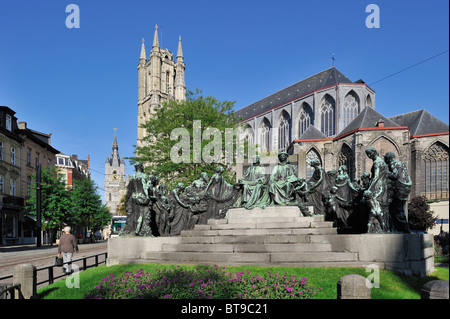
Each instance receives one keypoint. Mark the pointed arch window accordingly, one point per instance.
(347, 158)
(327, 116)
(368, 101)
(283, 132)
(351, 107)
(312, 154)
(304, 119)
(435, 172)
(264, 136)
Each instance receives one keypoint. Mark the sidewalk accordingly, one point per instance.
(13, 248)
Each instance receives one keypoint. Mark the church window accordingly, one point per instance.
(312, 154)
(283, 132)
(327, 117)
(347, 158)
(435, 172)
(351, 107)
(167, 82)
(265, 136)
(368, 101)
(305, 118)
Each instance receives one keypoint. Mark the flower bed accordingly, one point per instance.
(206, 282)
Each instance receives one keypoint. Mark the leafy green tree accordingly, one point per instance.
(55, 200)
(87, 208)
(186, 115)
(419, 215)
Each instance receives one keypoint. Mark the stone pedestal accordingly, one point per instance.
(25, 275)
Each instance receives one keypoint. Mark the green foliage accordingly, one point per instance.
(80, 206)
(55, 200)
(392, 284)
(205, 282)
(419, 215)
(87, 208)
(181, 115)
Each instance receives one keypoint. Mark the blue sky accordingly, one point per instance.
(79, 84)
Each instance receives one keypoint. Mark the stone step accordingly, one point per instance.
(245, 258)
(272, 211)
(212, 257)
(260, 231)
(258, 239)
(265, 220)
(247, 248)
(263, 224)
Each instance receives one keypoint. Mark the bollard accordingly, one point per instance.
(435, 289)
(25, 275)
(353, 287)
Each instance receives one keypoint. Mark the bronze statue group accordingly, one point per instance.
(377, 202)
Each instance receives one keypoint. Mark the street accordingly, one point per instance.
(12, 256)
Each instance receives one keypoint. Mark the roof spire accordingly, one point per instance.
(180, 51)
(143, 55)
(155, 38)
(115, 145)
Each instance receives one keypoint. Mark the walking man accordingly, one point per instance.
(67, 246)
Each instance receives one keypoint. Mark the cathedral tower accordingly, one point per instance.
(115, 184)
(160, 79)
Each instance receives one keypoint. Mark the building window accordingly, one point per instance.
(37, 159)
(351, 107)
(327, 118)
(265, 136)
(283, 133)
(1, 151)
(347, 158)
(368, 101)
(8, 122)
(435, 172)
(13, 156)
(12, 187)
(305, 119)
(2, 183)
(29, 157)
(312, 154)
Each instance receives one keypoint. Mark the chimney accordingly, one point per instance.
(23, 125)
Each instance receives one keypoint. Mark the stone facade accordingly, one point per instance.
(331, 118)
(115, 180)
(160, 79)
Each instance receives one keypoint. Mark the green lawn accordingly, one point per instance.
(392, 285)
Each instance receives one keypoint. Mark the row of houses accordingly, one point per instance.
(22, 149)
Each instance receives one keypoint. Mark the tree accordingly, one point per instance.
(55, 200)
(87, 208)
(419, 215)
(204, 120)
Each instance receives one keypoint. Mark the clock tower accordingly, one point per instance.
(115, 184)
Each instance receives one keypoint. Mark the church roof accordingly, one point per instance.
(366, 119)
(312, 133)
(328, 77)
(421, 122)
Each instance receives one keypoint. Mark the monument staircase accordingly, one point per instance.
(271, 236)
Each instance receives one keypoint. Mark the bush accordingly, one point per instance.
(208, 282)
(419, 215)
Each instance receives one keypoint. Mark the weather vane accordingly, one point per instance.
(332, 58)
